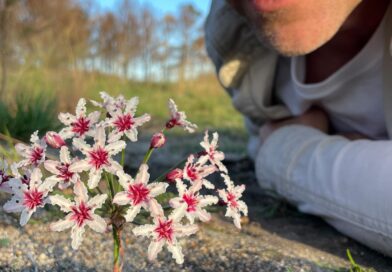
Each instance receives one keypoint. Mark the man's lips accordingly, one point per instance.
(269, 5)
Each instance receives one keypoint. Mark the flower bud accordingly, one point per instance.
(174, 174)
(158, 140)
(54, 139)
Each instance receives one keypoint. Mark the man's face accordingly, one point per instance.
(296, 27)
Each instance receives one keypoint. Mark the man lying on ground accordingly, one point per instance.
(313, 79)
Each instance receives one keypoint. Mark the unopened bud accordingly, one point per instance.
(174, 174)
(158, 140)
(54, 139)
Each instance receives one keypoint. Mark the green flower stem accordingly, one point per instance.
(148, 155)
(117, 249)
(109, 180)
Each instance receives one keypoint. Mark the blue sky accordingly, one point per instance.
(163, 6)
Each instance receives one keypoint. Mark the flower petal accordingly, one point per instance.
(66, 118)
(155, 208)
(94, 178)
(65, 204)
(77, 236)
(154, 248)
(145, 230)
(132, 134)
(62, 224)
(115, 147)
(132, 212)
(81, 107)
(121, 198)
(80, 191)
(186, 230)
(98, 224)
(176, 251)
(51, 166)
(79, 166)
(65, 156)
(143, 176)
(14, 205)
(97, 201)
(25, 216)
(157, 188)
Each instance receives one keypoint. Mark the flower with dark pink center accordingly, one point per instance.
(174, 174)
(196, 173)
(211, 153)
(27, 198)
(98, 157)
(54, 139)
(79, 213)
(191, 204)
(61, 169)
(34, 154)
(139, 193)
(178, 118)
(165, 231)
(231, 196)
(124, 122)
(79, 125)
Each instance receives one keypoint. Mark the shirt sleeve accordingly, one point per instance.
(330, 176)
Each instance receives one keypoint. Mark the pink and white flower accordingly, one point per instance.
(214, 156)
(191, 203)
(34, 154)
(196, 172)
(231, 196)
(98, 157)
(4, 177)
(25, 177)
(79, 125)
(139, 193)
(165, 232)
(158, 140)
(174, 174)
(178, 118)
(27, 198)
(109, 102)
(80, 213)
(124, 121)
(61, 169)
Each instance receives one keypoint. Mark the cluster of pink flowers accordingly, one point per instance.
(96, 138)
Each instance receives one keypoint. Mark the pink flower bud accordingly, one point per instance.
(158, 140)
(174, 174)
(54, 139)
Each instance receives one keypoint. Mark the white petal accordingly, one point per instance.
(208, 200)
(36, 178)
(145, 230)
(113, 167)
(98, 224)
(65, 204)
(77, 236)
(97, 201)
(66, 133)
(100, 136)
(22, 149)
(242, 207)
(14, 205)
(208, 184)
(172, 107)
(142, 119)
(157, 188)
(186, 230)
(80, 191)
(115, 147)
(203, 215)
(132, 212)
(175, 202)
(115, 135)
(51, 166)
(25, 216)
(154, 248)
(142, 176)
(177, 214)
(47, 185)
(237, 220)
(94, 178)
(131, 105)
(62, 224)
(180, 187)
(81, 145)
(131, 134)
(121, 198)
(124, 179)
(66, 118)
(94, 117)
(81, 107)
(64, 155)
(79, 166)
(176, 251)
(155, 208)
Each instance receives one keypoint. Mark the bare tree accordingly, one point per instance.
(147, 38)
